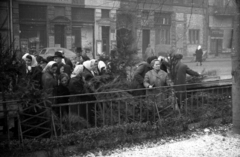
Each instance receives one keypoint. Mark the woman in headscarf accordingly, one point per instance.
(33, 72)
(77, 70)
(88, 70)
(49, 77)
(199, 54)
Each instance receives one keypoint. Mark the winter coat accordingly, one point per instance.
(180, 75)
(76, 86)
(156, 79)
(35, 74)
(68, 62)
(199, 54)
(49, 82)
(138, 78)
(61, 90)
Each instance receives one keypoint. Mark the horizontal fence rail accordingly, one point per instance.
(65, 114)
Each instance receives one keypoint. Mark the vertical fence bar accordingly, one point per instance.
(134, 111)
(202, 91)
(191, 99)
(78, 115)
(126, 111)
(154, 109)
(180, 101)
(186, 102)
(87, 114)
(95, 114)
(103, 114)
(119, 120)
(147, 108)
(140, 111)
(208, 95)
(111, 106)
(61, 120)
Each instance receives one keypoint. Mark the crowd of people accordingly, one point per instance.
(60, 76)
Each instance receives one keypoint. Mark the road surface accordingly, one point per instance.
(223, 66)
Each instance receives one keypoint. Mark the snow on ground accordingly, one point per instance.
(214, 145)
(209, 142)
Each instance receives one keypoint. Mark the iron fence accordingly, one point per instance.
(115, 107)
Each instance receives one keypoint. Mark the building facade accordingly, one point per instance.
(90, 24)
(179, 25)
(221, 19)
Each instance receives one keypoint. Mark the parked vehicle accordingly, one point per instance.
(51, 50)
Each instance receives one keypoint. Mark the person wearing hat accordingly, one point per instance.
(58, 57)
(80, 56)
(66, 60)
(179, 80)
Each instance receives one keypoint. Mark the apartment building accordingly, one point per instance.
(90, 24)
(221, 20)
(179, 25)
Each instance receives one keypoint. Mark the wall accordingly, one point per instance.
(194, 21)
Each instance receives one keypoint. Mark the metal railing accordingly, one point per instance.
(117, 107)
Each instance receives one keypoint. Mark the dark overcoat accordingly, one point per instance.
(138, 78)
(199, 54)
(181, 70)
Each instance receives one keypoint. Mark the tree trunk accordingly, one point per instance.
(236, 73)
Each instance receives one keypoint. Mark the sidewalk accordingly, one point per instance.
(209, 58)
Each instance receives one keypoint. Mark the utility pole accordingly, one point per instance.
(236, 72)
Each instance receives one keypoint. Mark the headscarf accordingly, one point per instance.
(49, 65)
(101, 65)
(77, 70)
(89, 64)
(199, 47)
(34, 60)
(160, 58)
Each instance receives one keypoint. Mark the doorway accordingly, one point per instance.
(216, 46)
(105, 39)
(145, 40)
(59, 34)
(76, 33)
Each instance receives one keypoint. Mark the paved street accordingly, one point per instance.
(223, 66)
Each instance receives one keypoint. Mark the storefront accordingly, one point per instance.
(32, 20)
(83, 29)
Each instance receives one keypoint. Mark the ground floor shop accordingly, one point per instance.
(40, 25)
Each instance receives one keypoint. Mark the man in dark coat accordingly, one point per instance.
(139, 74)
(58, 58)
(179, 80)
(67, 60)
(199, 54)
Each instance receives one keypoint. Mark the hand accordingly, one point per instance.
(150, 86)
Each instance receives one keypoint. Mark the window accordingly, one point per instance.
(83, 14)
(162, 19)
(32, 12)
(105, 13)
(163, 35)
(194, 36)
